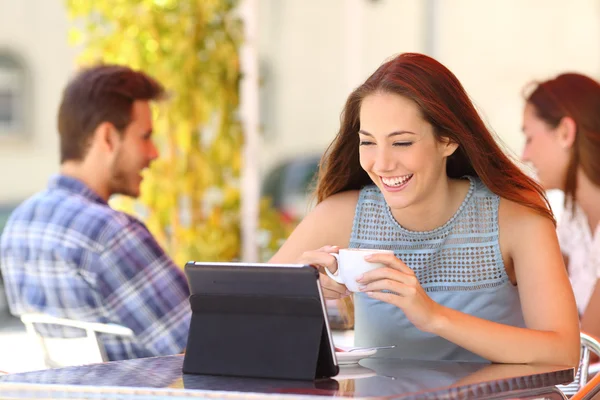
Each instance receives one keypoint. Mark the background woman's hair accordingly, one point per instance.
(444, 104)
(578, 97)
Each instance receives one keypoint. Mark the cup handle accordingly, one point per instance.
(336, 277)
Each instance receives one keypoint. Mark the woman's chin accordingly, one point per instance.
(396, 202)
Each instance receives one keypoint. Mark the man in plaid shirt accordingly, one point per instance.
(65, 252)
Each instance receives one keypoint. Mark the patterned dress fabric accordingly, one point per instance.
(458, 264)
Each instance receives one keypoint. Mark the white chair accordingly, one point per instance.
(63, 352)
(589, 344)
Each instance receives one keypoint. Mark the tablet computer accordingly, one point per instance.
(258, 320)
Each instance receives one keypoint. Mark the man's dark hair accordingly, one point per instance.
(103, 93)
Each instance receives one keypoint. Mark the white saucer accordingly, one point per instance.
(353, 357)
(354, 371)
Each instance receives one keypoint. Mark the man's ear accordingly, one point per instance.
(106, 136)
(566, 131)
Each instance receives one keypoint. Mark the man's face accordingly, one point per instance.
(134, 152)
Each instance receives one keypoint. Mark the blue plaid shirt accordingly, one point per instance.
(65, 252)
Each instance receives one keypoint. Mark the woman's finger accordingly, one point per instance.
(330, 249)
(389, 274)
(330, 284)
(390, 298)
(319, 258)
(391, 261)
(387, 285)
(322, 259)
(333, 295)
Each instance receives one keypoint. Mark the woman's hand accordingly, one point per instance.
(322, 259)
(406, 291)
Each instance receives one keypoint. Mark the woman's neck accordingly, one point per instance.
(588, 198)
(439, 207)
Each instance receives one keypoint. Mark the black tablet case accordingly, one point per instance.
(273, 327)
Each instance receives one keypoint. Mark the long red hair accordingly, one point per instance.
(443, 103)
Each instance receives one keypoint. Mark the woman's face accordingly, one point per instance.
(399, 150)
(544, 151)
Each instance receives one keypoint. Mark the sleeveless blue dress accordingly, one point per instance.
(458, 264)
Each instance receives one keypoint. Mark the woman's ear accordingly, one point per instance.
(448, 146)
(566, 131)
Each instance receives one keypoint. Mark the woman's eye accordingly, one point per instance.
(365, 143)
(403, 144)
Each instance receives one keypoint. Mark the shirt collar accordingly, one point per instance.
(75, 186)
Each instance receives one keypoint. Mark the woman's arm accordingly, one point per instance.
(547, 301)
(327, 228)
(548, 305)
(328, 224)
(496, 372)
(590, 321)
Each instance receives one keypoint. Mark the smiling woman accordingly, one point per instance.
(414, 170)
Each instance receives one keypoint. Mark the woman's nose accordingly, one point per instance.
(384, 161)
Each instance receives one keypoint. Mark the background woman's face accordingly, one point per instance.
(543, 150)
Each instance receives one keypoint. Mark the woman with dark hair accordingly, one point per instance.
(561, 122)
(476, 272)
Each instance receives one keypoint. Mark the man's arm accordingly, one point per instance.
(143, 289)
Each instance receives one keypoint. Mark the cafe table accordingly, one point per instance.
(373, 378)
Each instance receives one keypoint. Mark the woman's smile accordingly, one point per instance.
(395, 183)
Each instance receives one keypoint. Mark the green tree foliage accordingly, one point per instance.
(190, 195)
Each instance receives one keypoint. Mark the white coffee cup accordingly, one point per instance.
(351, 264)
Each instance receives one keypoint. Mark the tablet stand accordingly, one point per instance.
(257, 336)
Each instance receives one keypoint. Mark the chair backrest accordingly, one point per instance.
(63, 352)
(589, 344)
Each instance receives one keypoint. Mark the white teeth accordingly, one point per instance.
(396, 181)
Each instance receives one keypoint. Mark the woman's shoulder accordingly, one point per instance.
(329, 223)
(513, 211)
(339, 203)
(523, 231)
(519, 223)
(335, 214)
